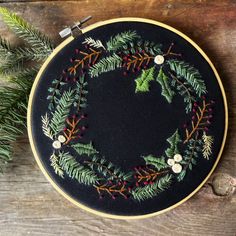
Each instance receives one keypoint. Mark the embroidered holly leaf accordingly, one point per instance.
(190, 74)
(62, 110)
(163, 80)
(115, 43)
(54, 159)
(75, 170)
(84, 149)
(207, 145)
(94, 43)
(142, 82)
(106, 64)
(159, 163)
(174, 140)
(152, 190)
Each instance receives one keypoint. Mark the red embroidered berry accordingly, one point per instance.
(64, 71)
(113, 197)
(206, 129)
(210, 116)
(124, 73)
(72, 59)
(195, 104)
(185, 126)
(119, 183)
(66, 79)
(210, 109)
(65, 129)
(194, 110)
(124, 182)
(83, 128)
(77, 50)
(203, 97)
(145, 183)
(193, 117)
(212, 101)
(129, 189)
(137, 184)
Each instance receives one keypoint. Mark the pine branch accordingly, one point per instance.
(142, 82)
(118, 41)
(163, 80)
(207, 145)
(75, 170)
(84, 149)
(174, 140)
(108, 169)
(190, 74)
(45, 126)
(61, 112)
(25, 31)
(54, 159)
(106, 64)
(152, 190)
(80, 99)
(94, 43)
(158, 163)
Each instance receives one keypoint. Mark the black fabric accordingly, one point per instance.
(125, 125)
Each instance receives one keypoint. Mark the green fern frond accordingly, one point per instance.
(152, 190)
(158, 163)
(54, 159)
(84, 149)
(163, 80)
(142, 82)
(118, 41)
(75, 170)
(173, 140)
(207, 145)
(45, 126)
(190, 74)
(25, 31)
(106, 64)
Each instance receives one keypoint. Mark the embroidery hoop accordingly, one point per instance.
(66, 42)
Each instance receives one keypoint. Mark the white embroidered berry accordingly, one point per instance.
(170, 162)
(159, 59)
(61, 138)
(177, 168)
(178, 157)
(56, 144)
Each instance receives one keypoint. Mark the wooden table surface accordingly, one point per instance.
(28, 203)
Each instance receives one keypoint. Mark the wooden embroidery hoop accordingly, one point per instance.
(54, 53)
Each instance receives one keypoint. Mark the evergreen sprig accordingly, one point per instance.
(118, 41)
(61, 112)
(106, 64)
(190, 74)
(75, 170)
(38, 41)
(54, 159)
(84, 149)
(108, 169)
(152, 190)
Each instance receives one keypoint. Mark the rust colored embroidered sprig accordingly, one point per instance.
(169, 52)
(112, 190)
(200, 119)
(137, 60)
(72, 130)
(147, 175)
(88, 58)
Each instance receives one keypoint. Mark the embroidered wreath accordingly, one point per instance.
(126, 52)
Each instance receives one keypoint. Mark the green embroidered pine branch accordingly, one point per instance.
(163, 80)
(106, 64)
(84, 149)
(117, 42)
(108, 169)
(61, 112)
(24, 30)
(158, 163)
(80, 99)
(55, 92)
(141, 45)
(75, 170)
(152, 190)
(207, 145)
(45, 126)
(193, 147)
(190, 74)
(94, 43)
(174, 140)
(54, 159)
(142, 82)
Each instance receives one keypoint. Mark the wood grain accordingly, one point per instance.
(29, 204)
